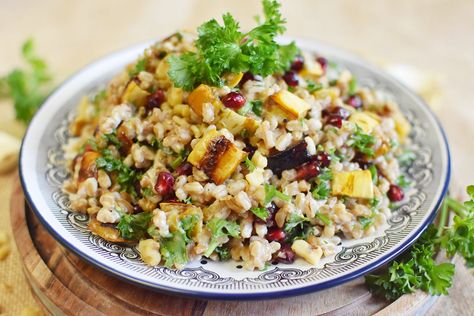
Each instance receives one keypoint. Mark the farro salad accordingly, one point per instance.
(228, 145)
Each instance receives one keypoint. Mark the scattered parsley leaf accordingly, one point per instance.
(322, 187)
(297, 227)
(323, 218)
(365, 222)
(134, 226)
(313, 86)
(223, 252)
(249, 164)
(139, 66)
(373, 172)
(257, 107)
(173, 249)
(183, 154)
(260, 212)
(271, 192)
(362, 142)
(403, 182)
(147, 192)
(220, 228)
(352, 88)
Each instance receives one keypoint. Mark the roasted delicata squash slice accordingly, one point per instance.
(106, 231)
(201, 95)
(134, 94)
(291, 106)
(88, 167)
(357, 184)
(216, 156)
(233, 79)
(235, 123)
(367, 121)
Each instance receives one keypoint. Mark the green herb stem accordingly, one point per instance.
(442, 217)
(456, 206)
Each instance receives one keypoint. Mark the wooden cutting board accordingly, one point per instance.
(63, 284)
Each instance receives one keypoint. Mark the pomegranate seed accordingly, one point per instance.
(275, 234)
(334, 120)
(298, 63)
(307, 171)
(155, 100)
(323, 159)
(164, 183)
(336, 110)
(234, 100)
(285, 254)
(137, 209)
(361, 159)
(249, 149)
(355, 101)
(395, 193)
(291, 78)
(184, 169)
(272, 209)
(248, 76)
(323, 62)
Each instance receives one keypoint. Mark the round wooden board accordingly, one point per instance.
(64, 284)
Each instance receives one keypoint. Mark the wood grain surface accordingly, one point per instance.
(64, 284)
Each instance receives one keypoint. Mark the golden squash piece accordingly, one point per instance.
(333, 93)
(83, 117)
(106, 231)
(357, 184)
(235, 123)
(231, 80)
(88, 167)
(367, 121)
(200, 95)
(217, 156)
(134, 94)
(292, 106)
(402, 126)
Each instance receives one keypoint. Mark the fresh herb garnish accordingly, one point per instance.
(260, 212)
(352, 88)
(403, 182)
(416, 269)
(139, 66)
(29, 87)
(313, 86)
(271, 192)
(147, 192)
(323, 218)
(112, 139)
(257, 107)
(134, 226)
(223, 252)
(224, 49)
(297, 227)
(322, 188)
(365, 222)
(362, 142)
(173, 249)
(220, 228)
(126, 176)
(187, 200)
(183, 154)
(373, 173)
(249, 164)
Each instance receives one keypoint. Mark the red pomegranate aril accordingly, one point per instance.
(249, 76)
(272, 209)
(275, 234)
(285, 254)
(298, 63)
(185, 169)
(355, 101)
(334, 120)
(336, 110)
(164, 183)
(323, 62)
(395, 193)
(155, 100)
(323, 159)
(307, 171)
(291, 78)
(234, 100)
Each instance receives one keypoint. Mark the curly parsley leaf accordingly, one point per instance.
(134, 226)
(271, 192)
(297, 227)
(29, 87)
(260, 212)
(173, 249)
(220, 229)
(225, 49)
(362, 142)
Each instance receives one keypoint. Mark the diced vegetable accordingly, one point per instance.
(367, 121)
(304, 250)
(88, 167)
(235, 122)
(199, 96)
(233, 79)
(134, 94)
(216, 156)
(105, 231)
(290, 158)
(402, 126)
(292, 106)
(357, 184)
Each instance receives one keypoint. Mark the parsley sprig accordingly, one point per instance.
(416, 269)
(225, 49)
(28, 87)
